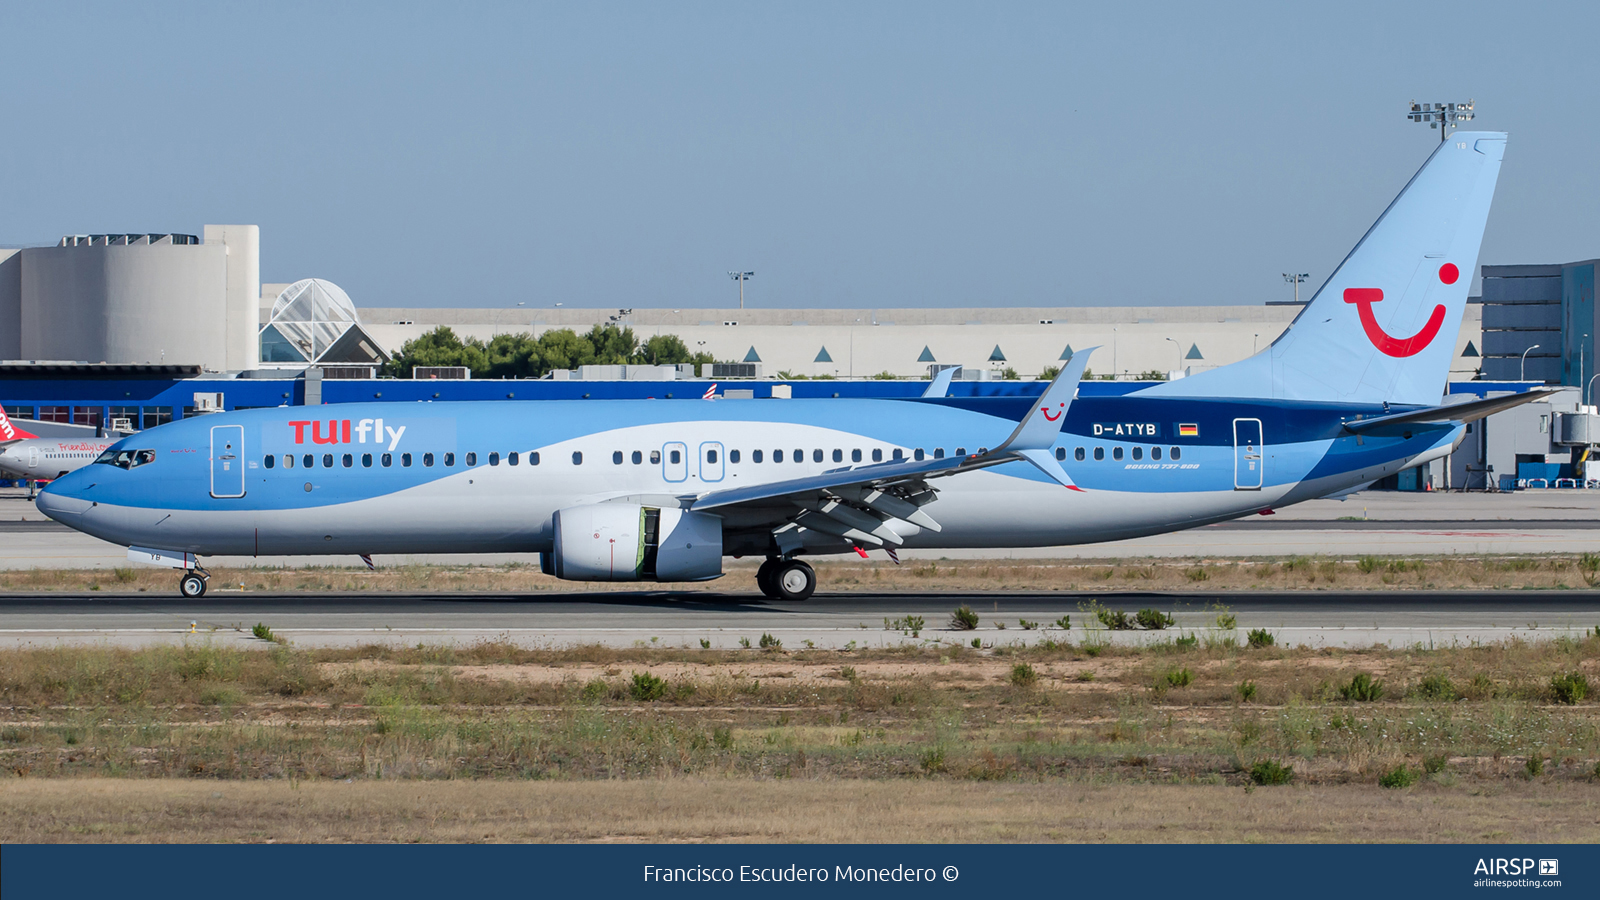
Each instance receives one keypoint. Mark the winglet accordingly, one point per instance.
(1044, 462)
(941, 383)
(1040, 427)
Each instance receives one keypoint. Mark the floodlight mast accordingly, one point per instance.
(1442, 116)
(1295, 280)
(741, 277)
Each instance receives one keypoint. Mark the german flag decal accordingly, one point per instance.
(1188, 430)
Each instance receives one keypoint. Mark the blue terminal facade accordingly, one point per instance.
(148, 402)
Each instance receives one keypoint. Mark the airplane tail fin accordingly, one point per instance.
(1383, 327)
(10, 432)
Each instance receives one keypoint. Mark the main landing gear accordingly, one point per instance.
(193, 583)
(786, 579)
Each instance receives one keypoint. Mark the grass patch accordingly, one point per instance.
(963, 619)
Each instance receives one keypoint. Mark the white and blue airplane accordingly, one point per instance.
(664, 490)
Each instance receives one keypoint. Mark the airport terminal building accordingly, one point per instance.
(133, 330)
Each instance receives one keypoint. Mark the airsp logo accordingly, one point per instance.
(1500, 866)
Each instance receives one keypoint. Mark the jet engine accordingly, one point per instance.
(629, 542)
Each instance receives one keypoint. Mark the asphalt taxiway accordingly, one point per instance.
(828, 620)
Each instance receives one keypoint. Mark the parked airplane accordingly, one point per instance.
(27, 456)
(663, 490)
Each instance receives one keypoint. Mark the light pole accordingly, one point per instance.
(1295, 280)
(1441, 115)
(741, 277)
(1522, 370)
(1254, 339)
(1589, 388)
(1178, 349)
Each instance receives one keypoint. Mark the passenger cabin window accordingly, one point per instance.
(755, 456)
(674, 457)
(637, 457)
(938, 453)
(308, 460)
(366, 460)
(655, 457)
(961, 451)
(616, 457)
(733, 456)
(1061, 453)
(838, 455)
(1177, 453)
(327, 460)
(348, 460)
(1116, 452)
(800, 455)
(1155, 452)
(427, 460)
(855, 455)
(288, 460)
(405, 460)
(449, 459)
(816, 455)
(533, 458)
(711, 456)
(1138, 453)
(777, 456)
(269, 461)
(387, 459)
(577, 457)
(877, 454)
(472, 459)
(1078, 454)
(513, 458)
(1099, 453)
(899, 454)
(917, 454)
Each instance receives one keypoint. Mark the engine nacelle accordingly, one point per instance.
(629, 542)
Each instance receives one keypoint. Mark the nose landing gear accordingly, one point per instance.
(193, 583)
(786, 579)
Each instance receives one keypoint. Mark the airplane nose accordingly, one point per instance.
(60, 507)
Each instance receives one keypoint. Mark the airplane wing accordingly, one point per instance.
(1457, 414)
(858, 503)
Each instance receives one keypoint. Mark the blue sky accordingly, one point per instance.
(852, 154)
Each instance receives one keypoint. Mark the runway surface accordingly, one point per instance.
(833, 620)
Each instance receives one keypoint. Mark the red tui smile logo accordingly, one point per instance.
(1388, 345)
(1055, 417)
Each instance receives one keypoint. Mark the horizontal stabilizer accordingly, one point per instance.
(1458, 414)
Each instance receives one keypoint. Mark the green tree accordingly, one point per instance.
(439, 347)
(524, 356)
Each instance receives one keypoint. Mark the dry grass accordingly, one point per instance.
(1102, 576)
(747, 810)
(1475, 715)
(919, 743)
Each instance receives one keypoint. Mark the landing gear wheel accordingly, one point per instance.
(764, 577)
(794, 580)
(192, 585)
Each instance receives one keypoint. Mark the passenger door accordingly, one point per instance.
(33, 457)
(227, 461)
(1248, 456)
(711, 461)
(675, 461)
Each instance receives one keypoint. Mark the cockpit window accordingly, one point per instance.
(126, 459)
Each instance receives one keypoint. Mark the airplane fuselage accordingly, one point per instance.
(489, 476)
